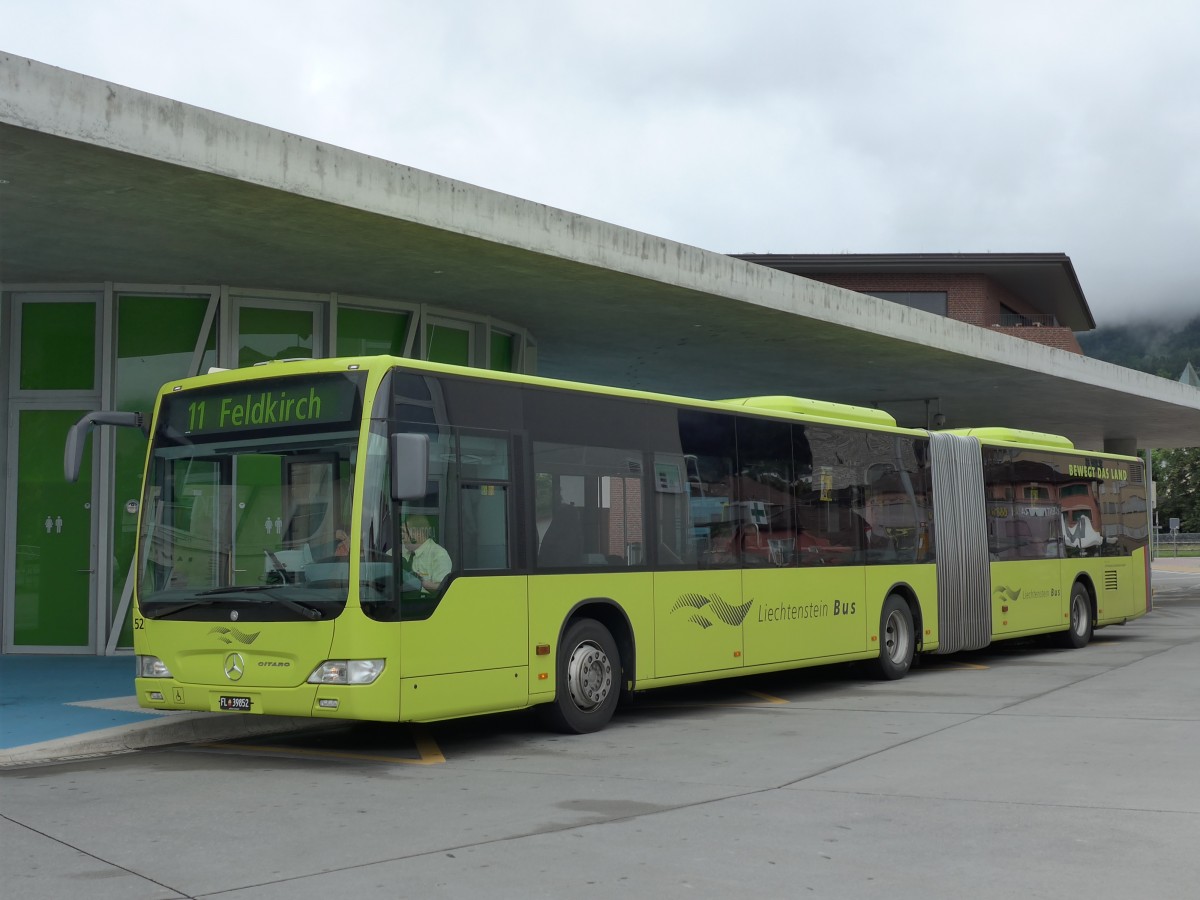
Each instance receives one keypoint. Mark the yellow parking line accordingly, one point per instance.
(955, 664)
(767, 697)
(430, 753)
(701, 704)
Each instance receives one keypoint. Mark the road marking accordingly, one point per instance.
(430, 753)
(767, 697)
(955, 664)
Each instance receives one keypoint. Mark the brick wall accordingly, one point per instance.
(1049, 335)
(973, 299)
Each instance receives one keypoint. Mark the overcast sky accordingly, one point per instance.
(769, 127)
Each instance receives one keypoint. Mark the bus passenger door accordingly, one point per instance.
(698, 610)
(465, 646)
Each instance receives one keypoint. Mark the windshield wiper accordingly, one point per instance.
(180, 607)
(307, 611)
(237, 589)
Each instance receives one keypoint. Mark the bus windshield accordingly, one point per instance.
(248, 501)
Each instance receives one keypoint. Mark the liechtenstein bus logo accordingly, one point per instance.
(1005, 593)
(229, 635)
(703, 605)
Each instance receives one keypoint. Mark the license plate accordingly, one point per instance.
(239, 704)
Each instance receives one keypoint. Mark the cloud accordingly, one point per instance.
(802, 127)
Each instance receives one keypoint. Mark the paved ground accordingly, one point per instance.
(1015, 772)
(62, 707)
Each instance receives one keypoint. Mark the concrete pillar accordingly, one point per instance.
(1124, 446)
(1151, 501)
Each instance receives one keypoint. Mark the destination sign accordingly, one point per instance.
(305, 402)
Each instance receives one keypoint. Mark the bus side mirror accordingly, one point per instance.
(77, 436)
(410, 465)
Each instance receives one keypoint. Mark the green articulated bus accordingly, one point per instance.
(385, 539)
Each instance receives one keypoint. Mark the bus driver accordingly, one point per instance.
(427, 558)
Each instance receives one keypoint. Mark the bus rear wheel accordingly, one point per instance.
(897, 638)
(1079, 631)
(588, 683)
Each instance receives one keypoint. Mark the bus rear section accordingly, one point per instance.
(1065, 534)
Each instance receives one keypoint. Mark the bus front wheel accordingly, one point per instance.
(897, 638)
(588, 682)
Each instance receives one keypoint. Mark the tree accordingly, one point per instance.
(1178, 475)
(1161, 346)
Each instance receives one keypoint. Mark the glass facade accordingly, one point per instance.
(276, 332)
(105, 347)
(929, 301)
(503, 351)
(371, 332)
(58, 346)
(156, 343)
(448, 344)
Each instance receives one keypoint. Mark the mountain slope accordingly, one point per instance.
(1160, 348)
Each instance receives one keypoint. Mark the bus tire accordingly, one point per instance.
(588, 683)
(1079, 629)
(897, 639)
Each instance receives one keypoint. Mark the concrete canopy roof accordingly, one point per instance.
(105, 183)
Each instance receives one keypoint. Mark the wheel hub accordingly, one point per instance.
(589, 676)
(896, 637)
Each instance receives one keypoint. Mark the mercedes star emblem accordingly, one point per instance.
(234, 666)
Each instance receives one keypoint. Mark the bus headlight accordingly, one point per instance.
(152, 667)
(347, 671)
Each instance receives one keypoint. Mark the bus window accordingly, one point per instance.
(1126, 529)
(588, 506)
(708, 445)
(482, 476)
(485, 527)
(896, 503)
(1025, 519)
(832, 503)
(315, 502)
(768, 532)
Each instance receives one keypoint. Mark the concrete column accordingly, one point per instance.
(1124, 446)
(1151, 502)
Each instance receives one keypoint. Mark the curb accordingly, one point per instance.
(184, 728)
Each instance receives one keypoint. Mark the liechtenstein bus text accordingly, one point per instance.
(393, 540)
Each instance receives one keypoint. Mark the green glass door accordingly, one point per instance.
(52, 577)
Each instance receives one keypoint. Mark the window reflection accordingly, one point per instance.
(1043, 505)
